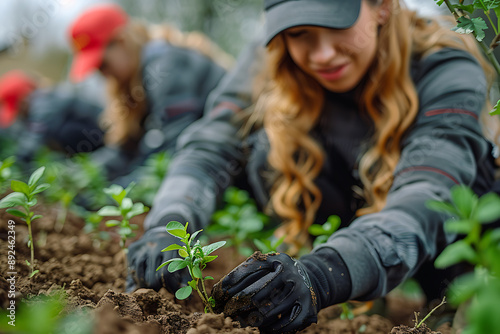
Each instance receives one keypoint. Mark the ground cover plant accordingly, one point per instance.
(124, 208)
(25, 198)
(470, 216)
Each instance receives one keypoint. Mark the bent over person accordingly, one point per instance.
(353, 108)
(158, 81)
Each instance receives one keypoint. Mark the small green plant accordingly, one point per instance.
(6, 170)
(239, 221)
(481, 248)
(24, 196)
(323, 232)
(269, 245)
(125, 209)
(193, 256)
(418, 323)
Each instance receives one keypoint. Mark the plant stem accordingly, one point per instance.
(61, 217)
(428, 314)
(32, 246)
(206, 296)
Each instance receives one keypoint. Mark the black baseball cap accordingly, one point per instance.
(284, 14)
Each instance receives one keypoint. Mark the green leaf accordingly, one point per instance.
(316, 229)
(468, 26)
(209, 277)
(40, 188)
(32, 202)
(193, 285)
(17, 213)
(20, 186)
(486, 5)
(213, 247)
(467, 8)
(194, 236)
(488, 208)
(459, 226)
(183, 292)
(165, 263)
(177, 265)
(176, 229)
(127, 204)
(442, 207)
(197, 272)
(112, 223)
(464, 199)
(137, 209)
(109, 211)
(334, 221)
(496, 109)
(209, 258)
(36, 217)
(13, 199)
(463, 288)
(439, 2)
(456, 252)
(172, 247)
(183, 253)
(35, 177)
(34, 273)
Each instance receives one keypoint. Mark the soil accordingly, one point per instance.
(92, 274)
(423, 329)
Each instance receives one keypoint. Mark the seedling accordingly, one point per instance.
(195, 257)
(323, 232)
(419, 323)
(479, 248)
(240, 221)
(125, 209)
(24, 196)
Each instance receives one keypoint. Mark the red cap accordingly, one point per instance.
(14, 86)
(90, 33)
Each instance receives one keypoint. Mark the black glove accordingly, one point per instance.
(145, 255)
(270, 291)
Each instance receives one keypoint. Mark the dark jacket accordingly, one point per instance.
(443, 147)
(177, 82)
(59, 119)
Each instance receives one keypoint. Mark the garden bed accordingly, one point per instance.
(92, 274)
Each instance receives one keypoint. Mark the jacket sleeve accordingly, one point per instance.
(444, 147)
(208, 152)
(177, 82)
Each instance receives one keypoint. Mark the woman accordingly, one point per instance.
(35, 116)
(366, 111)
(158, 81)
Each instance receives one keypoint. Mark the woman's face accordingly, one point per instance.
(337, 58)
(116, 62)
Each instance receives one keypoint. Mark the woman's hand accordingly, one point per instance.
(269, 291)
